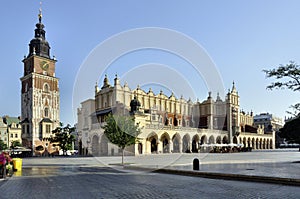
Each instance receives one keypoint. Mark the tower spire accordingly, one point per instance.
(39, 42)
(40, 13)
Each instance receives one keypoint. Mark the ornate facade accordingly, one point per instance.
(39, 92)
(169, 124)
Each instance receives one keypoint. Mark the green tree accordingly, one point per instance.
(121, 131)
(15, 144)
(3, 146)
(63, 137)
(287, 77)
(291, 131)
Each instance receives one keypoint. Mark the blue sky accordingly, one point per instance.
(241, 37)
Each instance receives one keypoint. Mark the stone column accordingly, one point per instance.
(170, 146)
(180, 146)
(159, 146)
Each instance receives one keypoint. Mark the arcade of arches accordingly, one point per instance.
(177, 142)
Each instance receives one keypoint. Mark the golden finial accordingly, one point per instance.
(40, 13)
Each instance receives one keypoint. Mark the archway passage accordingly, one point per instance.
(95, 145)
(225, 140)
(253, 143)
(195, 143)
(186, 144)
(211, 140)
(249, 142)
(194, 146)
(104, 146)
(218, 140)
(80, 148)
(165, 139)
(153, 145)
(140, 148)
(235, 140)
(166, 147)
(176, 148)
(257, 144)
(203, 140)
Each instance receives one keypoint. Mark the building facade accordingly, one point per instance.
(3, 132)
(40, 96)
(169, 124)
(13, 130)
(268, 121)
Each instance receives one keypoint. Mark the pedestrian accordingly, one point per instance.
(3, 164)
(8, 163)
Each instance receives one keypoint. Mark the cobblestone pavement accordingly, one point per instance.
(65, 181)
(99, 177)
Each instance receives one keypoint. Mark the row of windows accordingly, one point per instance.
(12, 135)
(48, 129)
(46, 87)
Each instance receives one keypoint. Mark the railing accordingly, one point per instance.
(182, 128)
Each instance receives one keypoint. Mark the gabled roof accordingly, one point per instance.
(46, 120)
(10, 120)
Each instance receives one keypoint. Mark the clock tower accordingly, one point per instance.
(39, 92)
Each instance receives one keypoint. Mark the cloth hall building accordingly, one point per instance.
(168, 124)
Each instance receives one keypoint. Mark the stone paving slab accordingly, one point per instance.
(71, 181)
(282, 164)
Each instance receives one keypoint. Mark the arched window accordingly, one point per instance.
(46, 88)
(46, 112)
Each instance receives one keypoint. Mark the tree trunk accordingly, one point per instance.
(122, 156)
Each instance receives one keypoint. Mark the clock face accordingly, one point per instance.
(44, 65)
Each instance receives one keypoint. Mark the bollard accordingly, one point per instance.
(196, 164)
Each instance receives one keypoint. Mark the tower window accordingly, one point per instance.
(46, 112)
(48, 128)
(46, 88)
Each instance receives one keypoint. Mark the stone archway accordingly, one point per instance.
(152, 141)
(253, 143)
(245, 142)
(218, 140)
(203, 140)
(271, 144)
(211, 140)
(176, 143)
(195, 142)
(261, 143)
(80, 147)
(140, 148)
(165, 139)
(95, 146)
(186, 144)
(153, 145)
(104, 145)
(225, 140)
(235, 140)
(249, 142)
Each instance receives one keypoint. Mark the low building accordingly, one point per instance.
(169, 124)
(14, 130)
(3, 132)
(268, 121)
